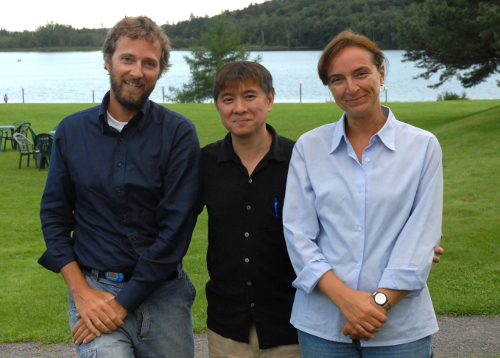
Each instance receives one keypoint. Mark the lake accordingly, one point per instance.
(68, 77)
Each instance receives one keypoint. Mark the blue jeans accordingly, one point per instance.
(161, 327)
(315, 347)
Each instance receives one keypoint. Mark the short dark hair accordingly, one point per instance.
(343, 40)
(140, 27)
(233, 73)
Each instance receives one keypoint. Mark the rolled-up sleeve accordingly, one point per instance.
(301, 226)
(411, 258)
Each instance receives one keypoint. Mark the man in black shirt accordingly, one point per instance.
(249, 294)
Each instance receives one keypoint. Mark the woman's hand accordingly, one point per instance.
(364, 318)
(358, 308)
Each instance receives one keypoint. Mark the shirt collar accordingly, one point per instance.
(140, 117)
(227, 152)
(386, 134)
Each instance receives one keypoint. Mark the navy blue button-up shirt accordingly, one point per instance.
(122, 201)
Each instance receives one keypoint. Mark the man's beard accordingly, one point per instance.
(128, 101)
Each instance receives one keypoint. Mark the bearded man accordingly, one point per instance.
(120, 205)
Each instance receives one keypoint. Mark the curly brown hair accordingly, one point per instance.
(140, 27)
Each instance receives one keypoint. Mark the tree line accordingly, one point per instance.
(291, 24)
(299, 24)
(52, 35)
(454, 37)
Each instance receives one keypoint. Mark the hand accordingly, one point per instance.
(98, 316)
(437, 251)
(82, 334)
(364, 317)
(349, 330)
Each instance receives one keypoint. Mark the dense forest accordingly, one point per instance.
(300, 23)
(290, 24)
(52, 35)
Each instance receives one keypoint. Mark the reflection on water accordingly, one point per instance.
(68, 77)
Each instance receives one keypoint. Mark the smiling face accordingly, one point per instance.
(243, 109)
(133, 69)
(355, 82)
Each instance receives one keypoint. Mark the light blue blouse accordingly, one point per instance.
(375, 223)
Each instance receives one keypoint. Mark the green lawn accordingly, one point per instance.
(33, 300)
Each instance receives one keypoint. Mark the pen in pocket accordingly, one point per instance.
(276, 206)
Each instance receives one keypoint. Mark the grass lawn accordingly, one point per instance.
(33, 300)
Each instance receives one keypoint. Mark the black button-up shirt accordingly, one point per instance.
(250, 271)
(130, 197)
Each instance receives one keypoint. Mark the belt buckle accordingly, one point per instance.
(114, 276)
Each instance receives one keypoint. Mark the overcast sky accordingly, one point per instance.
(19, 15)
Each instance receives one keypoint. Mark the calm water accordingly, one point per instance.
(68, 77)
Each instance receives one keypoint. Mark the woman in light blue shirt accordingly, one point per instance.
(362, 215)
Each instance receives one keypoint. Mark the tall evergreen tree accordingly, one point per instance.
(458, 37)
(221, 44)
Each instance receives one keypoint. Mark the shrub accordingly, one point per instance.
(450, 96)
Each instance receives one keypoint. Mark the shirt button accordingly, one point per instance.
(247, 260)
(134, 238)
(357, 265)
(360, 228)
(367, 160)
(252, 304)
(247, 234)
(248, 207)
(118, 191)
(249, 283)
(250, 181)
(119, 164)
(124, 216)
(121, 139)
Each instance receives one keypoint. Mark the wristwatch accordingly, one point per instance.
(381, 300)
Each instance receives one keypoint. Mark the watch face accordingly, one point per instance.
(380, 298)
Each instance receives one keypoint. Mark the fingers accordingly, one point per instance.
(77, 326)
(436, 259)
(80, 332)
(112, 313)
(85, 337)
(357, 332)
(377, 318)
(99, 316)
(110, 319)
(438, 250)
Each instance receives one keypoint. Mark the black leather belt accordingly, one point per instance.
(119, 276)
(109, 275)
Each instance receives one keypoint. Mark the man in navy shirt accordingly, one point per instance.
(120, 205)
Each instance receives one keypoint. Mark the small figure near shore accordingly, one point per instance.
(6, 98)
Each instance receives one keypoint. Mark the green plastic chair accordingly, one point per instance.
(25, 147)
(43, 145)
(10, 136)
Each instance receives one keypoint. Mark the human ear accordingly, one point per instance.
(107, 63)
(270, 99)
(382, 74)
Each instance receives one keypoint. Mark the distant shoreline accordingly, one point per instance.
(92, 48)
